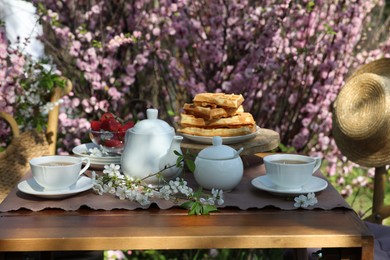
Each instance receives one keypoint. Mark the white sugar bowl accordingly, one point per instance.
(218, 166)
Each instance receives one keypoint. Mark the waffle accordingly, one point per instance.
(209, 112)
(224, 132)
(242, 119)
(218, 100)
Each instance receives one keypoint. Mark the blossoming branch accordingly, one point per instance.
(114, 182)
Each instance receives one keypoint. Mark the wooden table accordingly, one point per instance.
(339, 232)
(52, 230)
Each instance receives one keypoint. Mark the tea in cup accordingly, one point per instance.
(290, 171)
(57, 172)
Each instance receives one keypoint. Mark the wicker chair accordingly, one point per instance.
(14, 161)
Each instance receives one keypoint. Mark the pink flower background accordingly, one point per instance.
(288, 58)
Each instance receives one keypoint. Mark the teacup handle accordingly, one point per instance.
(317, 164)
(87, 163)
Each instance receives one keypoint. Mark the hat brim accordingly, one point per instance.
(363, 152)
(373, 151)
(379, 67)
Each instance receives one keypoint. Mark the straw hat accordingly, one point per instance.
(361, 116)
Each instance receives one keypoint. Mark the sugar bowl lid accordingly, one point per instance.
(218, 151)
(152, 125)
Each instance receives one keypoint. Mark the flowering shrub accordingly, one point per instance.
(288, 58)
(26, 87)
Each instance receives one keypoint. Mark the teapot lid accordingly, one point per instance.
(152, 125)
(218, 151)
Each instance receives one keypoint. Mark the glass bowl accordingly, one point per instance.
(113, 142)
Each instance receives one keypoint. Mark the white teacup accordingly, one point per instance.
(290, 171)
(57, 172)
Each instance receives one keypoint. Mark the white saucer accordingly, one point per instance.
(31, 187)
(102, 163)
(225, 140)
(314, 185)
(83, 151)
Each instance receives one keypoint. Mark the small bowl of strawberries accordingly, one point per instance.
(109, 132)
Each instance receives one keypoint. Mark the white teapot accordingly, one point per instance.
(219, 166)
(149, 148)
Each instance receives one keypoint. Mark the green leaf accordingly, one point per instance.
(191, 165)
(193, 209)
(179, 162)
(310, 6)
(187, 205)
(59, 82)
(191, 212)
(329, 29)
(134, 39)
(171, 112)
(39, 128)
(96, 44)
(209, 208)
(198, 209)
(286, 149)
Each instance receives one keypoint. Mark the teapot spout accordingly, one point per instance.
(168, 162)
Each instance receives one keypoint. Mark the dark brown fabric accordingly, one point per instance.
(244, 196)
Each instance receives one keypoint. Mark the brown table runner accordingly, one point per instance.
(244, 196)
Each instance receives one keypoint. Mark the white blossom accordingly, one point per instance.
(203, 201)
(220, 201)
(210, 201)
(311, 199)
(131, 194)
(97, 152)
(45, 109)
(121, 193)
(218, 196)
(305, 201)
(98, 188)
(165, 192)
(142, 199)
(107, 187)
(112, 169)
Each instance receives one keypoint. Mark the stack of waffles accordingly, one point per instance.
(216, 114)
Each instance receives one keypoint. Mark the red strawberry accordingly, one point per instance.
(110, 125)
(123, 128)
(107, 116)
(126, 126)
(112, 143)
(120, 136)
(105, 125)
(96, 125)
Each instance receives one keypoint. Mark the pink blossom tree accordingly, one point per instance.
(288, 58)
